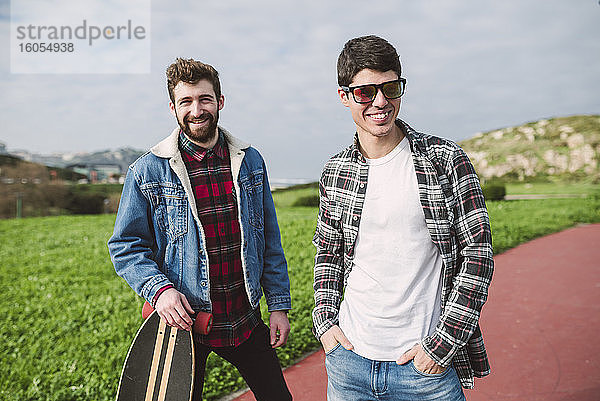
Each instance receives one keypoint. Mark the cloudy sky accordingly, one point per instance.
(471, 66)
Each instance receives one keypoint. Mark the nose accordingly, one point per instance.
(196, 109)
(380, 99)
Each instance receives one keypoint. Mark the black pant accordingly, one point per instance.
(255, 360)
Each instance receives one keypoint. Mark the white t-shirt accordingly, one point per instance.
(393, 295)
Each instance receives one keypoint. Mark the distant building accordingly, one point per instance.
(98, 172)
(3, 149)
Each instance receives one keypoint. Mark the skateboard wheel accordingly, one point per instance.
(147, 310)
(203, 322)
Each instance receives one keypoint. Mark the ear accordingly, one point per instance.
(221, 102)
(344, 97)
(172, 108)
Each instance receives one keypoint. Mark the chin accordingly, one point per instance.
(203, 135)
(382, 130)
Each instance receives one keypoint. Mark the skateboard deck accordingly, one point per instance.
(159, 365)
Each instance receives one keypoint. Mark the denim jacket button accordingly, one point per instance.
(203, 284)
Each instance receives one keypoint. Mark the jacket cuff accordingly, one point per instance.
(279, 303)
(153, 286)
(159, 292)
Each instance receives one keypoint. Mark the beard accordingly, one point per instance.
(203, 134)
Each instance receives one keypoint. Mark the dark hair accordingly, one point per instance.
(370, 52)
(191, 71)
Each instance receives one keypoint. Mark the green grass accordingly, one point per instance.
(67, 320)
(516, 222)
(284, 199)
(546, 188)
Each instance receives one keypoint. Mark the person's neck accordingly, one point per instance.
(374, 147)
(206, 145)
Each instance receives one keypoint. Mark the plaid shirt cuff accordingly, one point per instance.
(438, 349)
(321, 325)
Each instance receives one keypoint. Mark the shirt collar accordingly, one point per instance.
(199, 152)
(356, 155)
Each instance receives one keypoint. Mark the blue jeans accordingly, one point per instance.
(354, 378)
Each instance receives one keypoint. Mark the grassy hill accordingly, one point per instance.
(562, 149)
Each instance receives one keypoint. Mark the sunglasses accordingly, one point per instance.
(367, 93)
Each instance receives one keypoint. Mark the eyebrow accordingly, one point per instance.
(201, 97)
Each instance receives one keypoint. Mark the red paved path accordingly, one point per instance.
(541, 326)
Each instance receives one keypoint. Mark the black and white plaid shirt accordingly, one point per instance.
(458, 223)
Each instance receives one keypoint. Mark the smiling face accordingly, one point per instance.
(196, 108)
(376, 118)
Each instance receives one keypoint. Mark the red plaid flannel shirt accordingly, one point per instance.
(211, 179)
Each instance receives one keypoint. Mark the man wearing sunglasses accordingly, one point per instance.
(404, 252)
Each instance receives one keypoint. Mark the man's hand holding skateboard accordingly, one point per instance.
(174, 308)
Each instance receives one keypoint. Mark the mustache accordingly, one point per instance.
(201, 118)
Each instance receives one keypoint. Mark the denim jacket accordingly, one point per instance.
(158, 238)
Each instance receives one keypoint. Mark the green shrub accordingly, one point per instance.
(66, 174)
(295, 188)
(494, 191)
(309, 200)
(49, 199)
(86, 203)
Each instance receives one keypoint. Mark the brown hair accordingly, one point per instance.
(191, 71)
(370, 52)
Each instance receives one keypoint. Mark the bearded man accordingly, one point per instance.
(196, 231)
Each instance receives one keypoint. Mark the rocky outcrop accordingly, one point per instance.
(565, 148)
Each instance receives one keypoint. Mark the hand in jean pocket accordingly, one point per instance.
(333, 337)
(423, 363)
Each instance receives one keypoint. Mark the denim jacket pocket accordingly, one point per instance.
(252, 185)
(170, 207)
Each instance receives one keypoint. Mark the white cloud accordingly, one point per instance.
(471, 66)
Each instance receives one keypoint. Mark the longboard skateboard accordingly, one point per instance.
(159, 365)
